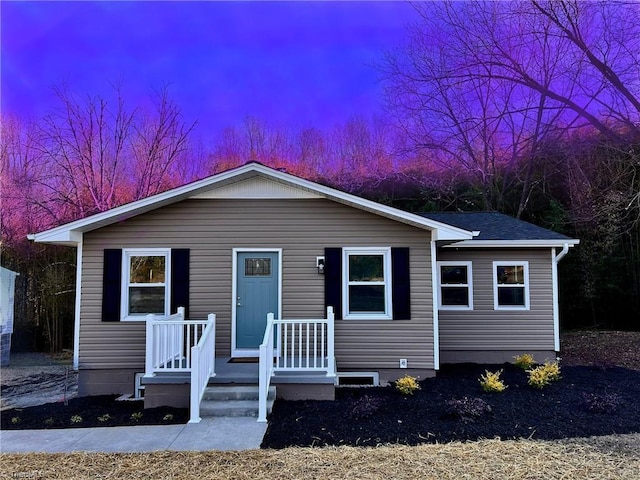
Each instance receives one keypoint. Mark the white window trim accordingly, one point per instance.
(507, 263)
(469, 285)
(127, 253)
(386, 253)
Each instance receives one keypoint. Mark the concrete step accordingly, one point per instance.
(233, 401)
(235, 392)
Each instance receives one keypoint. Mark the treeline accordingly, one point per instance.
(532, 109)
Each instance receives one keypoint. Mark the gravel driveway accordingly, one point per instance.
(34, 379)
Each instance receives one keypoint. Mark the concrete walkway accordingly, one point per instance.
(231, 433)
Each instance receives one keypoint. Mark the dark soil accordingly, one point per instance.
(594, 397)
(97, 411)
(586, 401)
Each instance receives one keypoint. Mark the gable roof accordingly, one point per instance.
(71, 233)
(497, 229)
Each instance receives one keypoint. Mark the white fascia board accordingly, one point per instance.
(58, 236)
(512, 243)
(66, 234)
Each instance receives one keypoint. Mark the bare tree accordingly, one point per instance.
(83, 143)
(157, 147)
(486, 83)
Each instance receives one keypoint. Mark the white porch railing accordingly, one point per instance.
(176, 345)
(295, 346)
(203, 361)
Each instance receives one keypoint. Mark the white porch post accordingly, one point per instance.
(148, 359)
(331, 359)
(194, 410)
(76, 329)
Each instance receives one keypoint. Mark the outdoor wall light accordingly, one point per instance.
(320, 265)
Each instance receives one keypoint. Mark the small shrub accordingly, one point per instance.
(491, 382)
(602, 403)
(104, 418)
(407, 385)
(15, 420)
(524, 361)
(76, 419)
(467, 409)
(365, 407)
(543, 375)
(136, 416)
(49, 421)
(168, 417)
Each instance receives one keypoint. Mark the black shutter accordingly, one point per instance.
(111, 285)
(179, 280)
(333, 280)
(401, 290)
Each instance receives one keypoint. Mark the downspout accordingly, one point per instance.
(434, 289)
(76, 327)
(556, 309)
(563, 252)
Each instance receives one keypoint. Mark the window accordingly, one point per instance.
(257, 267)
(367, 283)
(145, 286)
(511, 285)
(456, 285)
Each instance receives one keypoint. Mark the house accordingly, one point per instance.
(355, 289)
(7, 291)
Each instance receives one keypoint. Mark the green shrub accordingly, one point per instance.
(104, 418)
(136, 416)
(76, 419)
(49, 421)
(491, 382)
(168, 417)
(524, 361)
(15, 420)
(543, 375)
(407, 385)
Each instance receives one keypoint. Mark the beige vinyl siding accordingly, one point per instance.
(302, 228)
(486, 329)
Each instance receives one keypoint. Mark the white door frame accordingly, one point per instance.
(245, 352)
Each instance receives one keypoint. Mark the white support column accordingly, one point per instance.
(435, 298)
(148, 355)
(331, 358)
(194, 388)
(76, 327)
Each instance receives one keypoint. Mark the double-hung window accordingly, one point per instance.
(456, 285)
(511, 285)
(145, 286)
(367, 283)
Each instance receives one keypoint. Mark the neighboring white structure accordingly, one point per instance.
(7, 289)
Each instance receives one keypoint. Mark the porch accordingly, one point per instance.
(181, 367)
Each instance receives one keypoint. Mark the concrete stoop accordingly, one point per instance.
(233, 401)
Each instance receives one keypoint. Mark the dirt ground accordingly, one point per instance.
(34, 379)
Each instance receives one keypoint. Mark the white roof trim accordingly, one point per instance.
(71, 233)
(513, 243)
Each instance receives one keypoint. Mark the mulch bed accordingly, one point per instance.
(592, 398)
(586, 401)
(96, 411)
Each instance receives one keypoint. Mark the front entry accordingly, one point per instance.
(257, 293)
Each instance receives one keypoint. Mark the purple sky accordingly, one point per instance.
(292, 64)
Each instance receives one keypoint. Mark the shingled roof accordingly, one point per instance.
(496, 226)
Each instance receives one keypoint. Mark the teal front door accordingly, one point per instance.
(257, 294)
